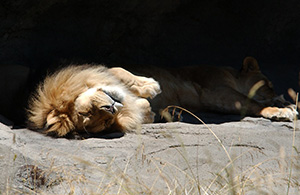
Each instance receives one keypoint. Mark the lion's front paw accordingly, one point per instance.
(145, 108)
(283, 114)
(146, 87)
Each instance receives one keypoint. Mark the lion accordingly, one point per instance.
(93, 99)
(246, 92)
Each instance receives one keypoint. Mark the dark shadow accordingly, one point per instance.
(114, 135)
(216, 118)
(81, 135)
(101, 135)
(210, 118)
(178, 115)
(6, 121)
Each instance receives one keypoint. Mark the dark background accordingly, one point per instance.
(41, 35)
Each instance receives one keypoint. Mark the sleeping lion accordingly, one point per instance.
(92, 99)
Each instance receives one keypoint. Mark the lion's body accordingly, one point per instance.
(95, 98)
(204, 88)
(220, 89)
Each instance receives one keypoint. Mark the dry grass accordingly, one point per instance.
(229, 180)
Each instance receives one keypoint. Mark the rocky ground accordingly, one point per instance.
(253, 155)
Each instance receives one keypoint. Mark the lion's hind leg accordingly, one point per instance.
(141, 86)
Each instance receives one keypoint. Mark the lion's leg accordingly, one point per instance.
(132, 116)
(141, 111)
(145, 107)
(230, 101)
(227, 100)
(139, 85)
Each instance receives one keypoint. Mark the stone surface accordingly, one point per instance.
(253, 155)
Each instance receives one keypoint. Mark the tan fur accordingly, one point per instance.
(83, 99)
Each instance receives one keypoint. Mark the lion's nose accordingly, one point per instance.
(113, 108)
(109, 108)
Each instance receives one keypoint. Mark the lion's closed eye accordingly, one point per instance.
(114, 97)
(115, 93)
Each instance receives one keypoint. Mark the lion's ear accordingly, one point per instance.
(250, 65)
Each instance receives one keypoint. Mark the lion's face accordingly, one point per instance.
(97, 108)
(258, 87)
(254, 83)
(265, 92)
